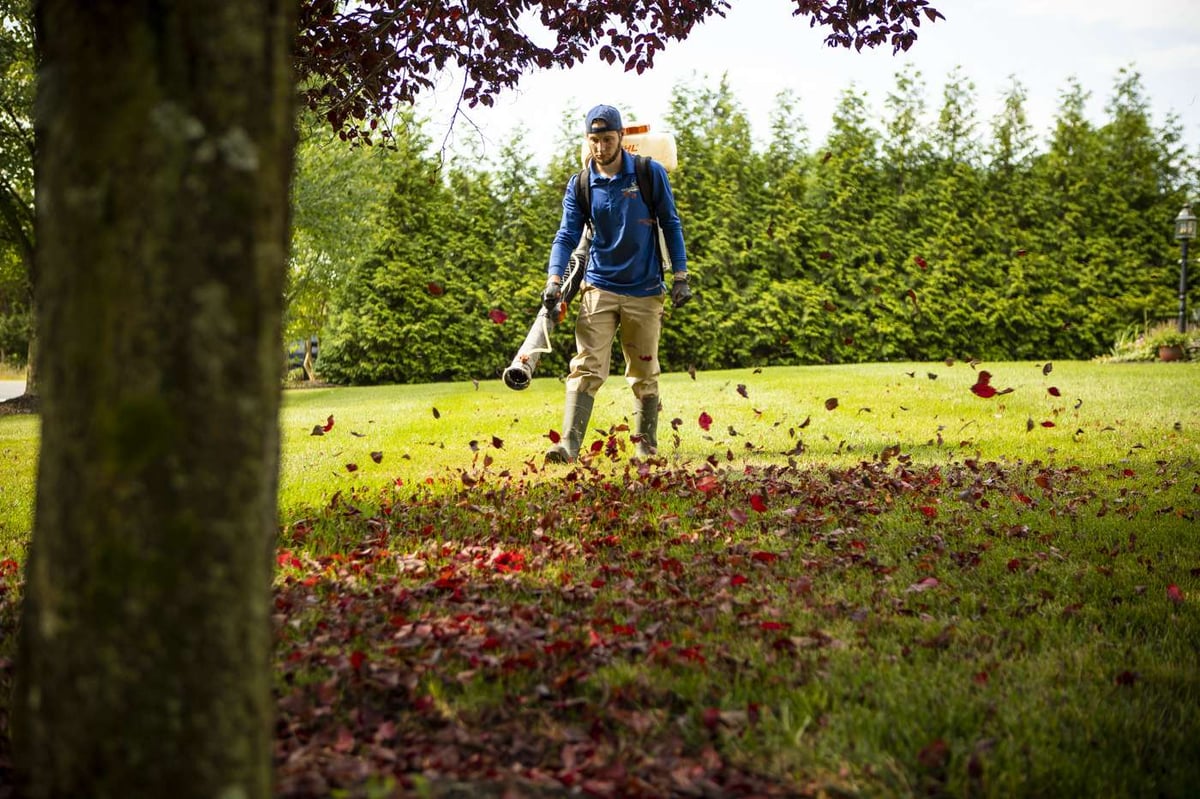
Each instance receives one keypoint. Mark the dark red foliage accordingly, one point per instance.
(359, 62)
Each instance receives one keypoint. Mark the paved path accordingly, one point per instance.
(11, 388)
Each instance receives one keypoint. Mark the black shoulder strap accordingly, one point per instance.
(645, 180)
(641, 165)
(583, 192)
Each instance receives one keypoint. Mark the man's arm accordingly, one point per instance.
(570, 230)
(668, 219)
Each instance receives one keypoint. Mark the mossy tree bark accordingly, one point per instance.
(165, 137)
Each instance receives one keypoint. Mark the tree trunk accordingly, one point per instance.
(32, 387)
(165, 145)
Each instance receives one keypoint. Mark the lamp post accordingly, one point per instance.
(1185, 231)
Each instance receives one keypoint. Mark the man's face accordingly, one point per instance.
(605, 147)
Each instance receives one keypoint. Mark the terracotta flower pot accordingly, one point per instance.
(1170, 352)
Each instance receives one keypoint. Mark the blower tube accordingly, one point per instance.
(537, 341)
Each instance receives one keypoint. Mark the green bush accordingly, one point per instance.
(15, 331)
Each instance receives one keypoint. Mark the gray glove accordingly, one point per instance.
(551, 294)
(680, 291)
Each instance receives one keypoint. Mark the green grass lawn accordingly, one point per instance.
(918, 591)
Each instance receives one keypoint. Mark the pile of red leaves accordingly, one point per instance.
(471, 637)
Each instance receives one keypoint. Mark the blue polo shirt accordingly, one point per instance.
(624, 257)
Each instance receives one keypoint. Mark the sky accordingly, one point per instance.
(761, 50)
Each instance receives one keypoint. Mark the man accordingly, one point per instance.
(622, 285)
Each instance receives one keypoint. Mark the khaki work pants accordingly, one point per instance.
(601, 313)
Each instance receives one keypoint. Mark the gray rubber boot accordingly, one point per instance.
(576, 414)
(645, 425)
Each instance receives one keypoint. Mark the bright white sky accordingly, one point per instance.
(761, 49)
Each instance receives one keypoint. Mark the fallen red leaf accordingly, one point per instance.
(377, 456)
(1174, 594)
(831, 403)
(1054, 392)
(509, 562)
(737, 580)
(705, 420)
(435, 289)
(1126, 678)
(758, 503)
(345, 741)
(498, 316)
(924, 584)
(497, 442)
(554, 436)
(919, 261)
(983, 385)
(934, 755)
(328, 424)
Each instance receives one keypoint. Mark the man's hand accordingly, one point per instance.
(552, 293)
(680, 291)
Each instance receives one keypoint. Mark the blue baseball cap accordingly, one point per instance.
(602, 119)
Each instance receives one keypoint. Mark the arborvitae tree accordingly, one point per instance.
(847, 192)
(338, 205)
(400, 316)
(920, 243)
(1137, 162)
(784, 295)
(1010, 155)
(906, 171)
(963, 277)
(717, 188)
(504, 214)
